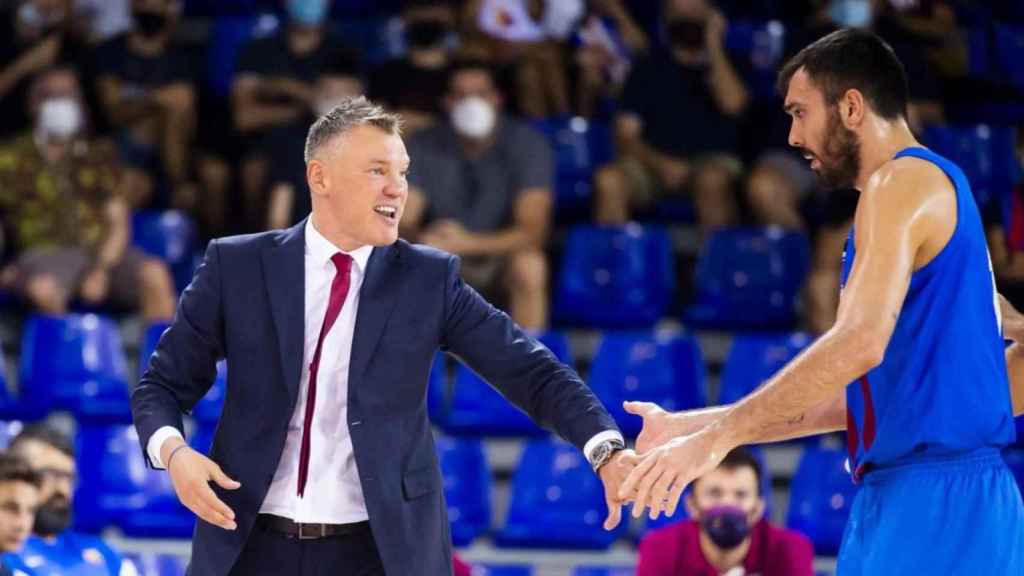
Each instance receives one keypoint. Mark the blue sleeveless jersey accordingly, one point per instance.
(942, 388)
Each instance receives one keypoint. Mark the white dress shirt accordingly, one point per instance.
(334, 494)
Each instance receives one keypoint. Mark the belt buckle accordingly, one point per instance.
(303, 535)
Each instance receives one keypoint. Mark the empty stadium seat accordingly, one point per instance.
(580, 147)
(556, 501)
(117, 489)
(749, 279)
(467, 487)
(150, 338)
(169, 236)
(209, 407)
(502, 570)
(820, 497)
(74, 362)
(985, 154)
(754, 358)
(615, 277)
(664, 368)
(477, 408)
(603, 571)
(8, 430)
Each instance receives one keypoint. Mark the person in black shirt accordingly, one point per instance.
(274, 92)
(677, 128)
(148, 94)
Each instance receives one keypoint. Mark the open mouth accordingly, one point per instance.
(389, 212)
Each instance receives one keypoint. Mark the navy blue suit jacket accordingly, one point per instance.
(246, 304)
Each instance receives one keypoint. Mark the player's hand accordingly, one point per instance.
(191, 474)
(1013, 321)
(659, 479)
(95, 286)
(612, 474)
(660, 426)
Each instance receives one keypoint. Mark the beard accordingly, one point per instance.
(53, 517)
(840, 162)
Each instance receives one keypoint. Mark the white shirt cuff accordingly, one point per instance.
(597, 439)
(157, 440)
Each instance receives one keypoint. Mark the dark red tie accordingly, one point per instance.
(339, 290)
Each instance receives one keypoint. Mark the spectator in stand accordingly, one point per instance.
(148, 94)
(19, 498)
(727, 533)
(481, 188)
(274, 93)
(429, 28)
(609, 40)
(53, 549)
(61, 205)
(677, 129)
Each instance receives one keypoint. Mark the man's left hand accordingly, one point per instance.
(95, 286)
(659, 479)
(612, 474)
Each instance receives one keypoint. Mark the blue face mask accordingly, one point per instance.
(850, 13)
(308, 12)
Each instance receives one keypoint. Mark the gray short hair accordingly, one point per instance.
(350, 113)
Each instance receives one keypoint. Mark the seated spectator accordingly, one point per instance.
(34, 35)
(61, 205)
(429, 28)
(480, 187)
(54, 550)
(728, 533)
(677, 129)
(148, 95)
(274, 93)
(609, 40)
(1004, 224)
(19, 498)
(526, 38)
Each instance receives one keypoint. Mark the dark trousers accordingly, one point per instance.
(270, 553)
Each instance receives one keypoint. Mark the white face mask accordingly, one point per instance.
(60, 117)
(474, 117)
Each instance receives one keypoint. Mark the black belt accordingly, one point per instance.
(309, 531)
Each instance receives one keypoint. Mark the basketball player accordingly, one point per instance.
(914, 366)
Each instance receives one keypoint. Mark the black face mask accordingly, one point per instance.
(425, 34)
(53, 517)
(686, 34)
(726, 526)
(150, 24)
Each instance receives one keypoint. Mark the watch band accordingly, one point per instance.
(604, 451)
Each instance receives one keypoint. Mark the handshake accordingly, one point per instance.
(672, 450)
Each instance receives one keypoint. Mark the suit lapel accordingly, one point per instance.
(377, 298)
(285, 276)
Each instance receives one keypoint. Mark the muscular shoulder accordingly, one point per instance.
(908, 181)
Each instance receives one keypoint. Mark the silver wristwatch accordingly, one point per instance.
(603, 451)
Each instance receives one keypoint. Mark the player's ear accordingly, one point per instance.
(852, 108)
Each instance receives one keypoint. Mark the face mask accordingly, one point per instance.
(150, 23)
(850, 13)
(474, 117)
(687, 34)
(425, 34)
(727, 526)
(60, 117)
(53, 517)
(307, 12)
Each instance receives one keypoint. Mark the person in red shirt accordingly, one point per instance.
(459, 566)
(727, 534)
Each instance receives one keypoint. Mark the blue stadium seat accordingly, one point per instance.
(74, 362)
(580, 147)
(502, 570)
(209, 407)
(477, 408)
(985, 154)
(171, 565)
(169, 236)
(760, 45)
(8, 430)
(467, 487)
(615, 277)
(1009, 43)
(749, 279)
(202, 437)
(556, 501)
(117, 489)
(754, 358)
(664, 368)
(603, 571)
(820, 497)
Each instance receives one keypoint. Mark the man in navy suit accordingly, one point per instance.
(323, 461)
